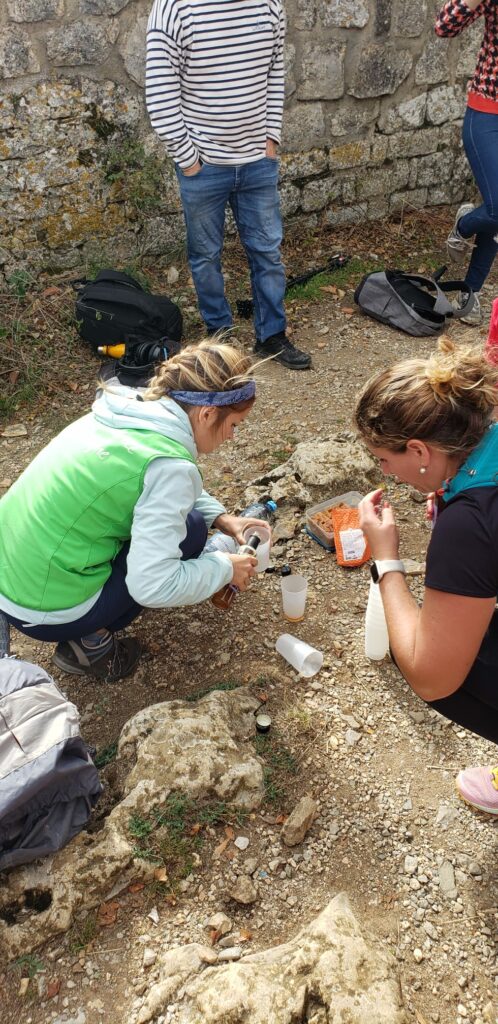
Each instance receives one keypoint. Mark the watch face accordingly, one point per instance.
(374, 572)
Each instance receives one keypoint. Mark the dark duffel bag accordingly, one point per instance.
(114, 309)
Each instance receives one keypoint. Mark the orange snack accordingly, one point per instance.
(350, 542)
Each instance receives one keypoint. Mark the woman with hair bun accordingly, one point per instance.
(112, 517)
(430, 423)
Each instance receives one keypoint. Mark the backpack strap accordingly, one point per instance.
(118, 277)
(441, 304)
(464, 289)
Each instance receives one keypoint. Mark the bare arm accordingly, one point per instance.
(435, 645)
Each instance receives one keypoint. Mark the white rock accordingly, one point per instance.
(241, 842)
(150, 957)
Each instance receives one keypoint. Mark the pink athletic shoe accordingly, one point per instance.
(479, 788)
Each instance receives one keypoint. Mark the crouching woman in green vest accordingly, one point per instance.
(112, 517)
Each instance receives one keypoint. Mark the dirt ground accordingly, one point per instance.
(379, 762)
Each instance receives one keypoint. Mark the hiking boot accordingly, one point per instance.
(285, 352)
(115, 664)
(474, 317)
(456, 244)
(479, 788)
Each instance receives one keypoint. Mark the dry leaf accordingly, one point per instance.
(262, 696)
(107, 913)
(218, 850)
(347, 310)
(136, 887)
(160, 874)
(72, 385)
(229, 832)
(245, 935)
(214, 935)
(23, 986)
(14, 376)
(329, 288)
(53, 988)
(341, 293)
(195, 829)
(279, 820)
(47, 292)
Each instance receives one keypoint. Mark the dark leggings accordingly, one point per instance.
(114, 608)
(475, 703)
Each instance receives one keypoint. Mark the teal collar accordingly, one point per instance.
(480, 469)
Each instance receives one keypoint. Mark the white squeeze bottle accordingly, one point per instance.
(376, 635)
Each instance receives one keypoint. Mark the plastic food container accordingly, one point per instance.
(319, 524)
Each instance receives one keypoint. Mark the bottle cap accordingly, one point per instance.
(263, 722)
(286, 570)
(271, 505)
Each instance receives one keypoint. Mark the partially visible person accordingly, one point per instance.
(480, 140)
(111, 516)
(429, 423)
(215, 94)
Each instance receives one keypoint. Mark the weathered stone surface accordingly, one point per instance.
(343, 13)
(290, 199)
(132, 50)
(202, 749)
(353, 119)
(349, 154)
(17, 56)
(81, 42)
(244, 891)
(35, 10)
(410, 114)
(383, 180)
(381, 69)
(316, 195)
(415, 199)
(304, 127)
(305, 16)
(333, 466)
(425, 140)
(409, 18)
(445, 104)
(102, 6)
(322, 75)
(299, 821)
(302, 165)
(289, 62)
(383, 17)
(434, 168)
(432, 67)
(329, 967)
(349, 215)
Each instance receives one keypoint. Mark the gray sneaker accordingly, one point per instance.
(474, 318)
(455, 243)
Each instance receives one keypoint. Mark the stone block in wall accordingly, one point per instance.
(415, 198)
(380, 70)
(438, 167)
(377, 207)
(316, 195)
(383, 180)
(445, 103)
(432, 67)
(132, 50)
(81, 42)
(349, 154)
(303, 127)
(305, 15)
(379, 149)
(346, 215)
(160, 234)
(424, 140)
(35, 10)
(303, 165)
(409, 114)
(322, 71)
(343, 13)
(409, 18)
(353, 119)
(17, 56)
(348, 190)
(290, 198)
(466, 47)
(445, 195)
(102, 6)
(383, 17)
(289, 62)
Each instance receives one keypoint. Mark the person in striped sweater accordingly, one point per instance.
(475, 231)
(215, 92)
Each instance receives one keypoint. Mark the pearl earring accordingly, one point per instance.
(422, 469)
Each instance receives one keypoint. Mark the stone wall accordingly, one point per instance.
(372, 122)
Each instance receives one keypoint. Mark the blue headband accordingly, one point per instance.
(242, 394)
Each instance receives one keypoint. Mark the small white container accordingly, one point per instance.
(294, 591)
(376, 634)
(305, 659)
(263, 549)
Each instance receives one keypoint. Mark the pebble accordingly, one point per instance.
(232, 953)
(241, 842)
(149, 957)
(418, 956)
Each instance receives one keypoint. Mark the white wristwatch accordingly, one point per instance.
(379, 569)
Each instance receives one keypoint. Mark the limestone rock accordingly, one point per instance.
(244, 891)
(381, 69)
(201, 749)
(220, 922)
(35, 10)
(432, 66)
(409, 18)
(303, 128)
(102, 6)
(16, 54)
(176, 966)
(327, 971)
(343, 13)
(306, 14)
(445, 104)
(81, 42)
(133, 50)
(322, 71)
(299, 821)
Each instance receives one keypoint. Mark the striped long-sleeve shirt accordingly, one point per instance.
(453, 18)
(215, 80)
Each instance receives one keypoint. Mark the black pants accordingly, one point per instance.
(475, 704)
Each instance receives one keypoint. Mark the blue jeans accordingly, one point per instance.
(251, 190)
(115, 608)
(480, 140)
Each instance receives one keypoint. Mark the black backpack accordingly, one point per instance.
(114, 309)
(414, 304)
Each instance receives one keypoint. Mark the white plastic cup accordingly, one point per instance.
(263, 549)
(305, 659)
(376, 635)
(294, 591)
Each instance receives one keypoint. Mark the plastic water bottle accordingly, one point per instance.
(260, 510)
(221, 542)
(376, 635)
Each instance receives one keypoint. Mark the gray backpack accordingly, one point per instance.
(48, 782)
(414, 304)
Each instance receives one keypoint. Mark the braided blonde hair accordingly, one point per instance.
(446, 399)
(207, 366)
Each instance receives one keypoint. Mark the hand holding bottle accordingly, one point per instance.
(236, 526)
(244, 566)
